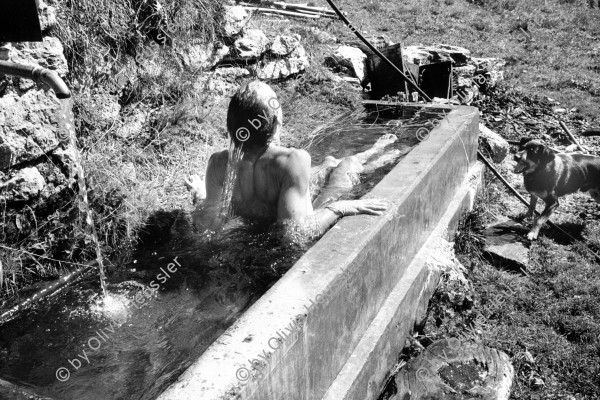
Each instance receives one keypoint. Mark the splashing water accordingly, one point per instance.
(67, 136)
(115, 307)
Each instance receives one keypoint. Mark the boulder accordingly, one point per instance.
(251, 45)
(459, 55)
(25, 185)
(284, 45)
(454, 369)
(493, 144)
(353, 58)
(235, 19)
(28, 127)
(294, 63)
(424, 55)
(504, 245)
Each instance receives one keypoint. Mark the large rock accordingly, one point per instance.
(28, 127)
(294, 63)
(493, 144)
(452, 369)
(424, 55)
(251, 45)
(352, 58)
(25, 185)
(236, 18)
(284, 45)
(504, 245)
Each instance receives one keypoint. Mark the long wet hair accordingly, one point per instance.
(254, 115)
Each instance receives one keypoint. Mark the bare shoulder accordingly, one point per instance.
(217, 167)
(293, 159)
(219, 158)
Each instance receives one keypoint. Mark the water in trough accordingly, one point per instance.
(163, 311)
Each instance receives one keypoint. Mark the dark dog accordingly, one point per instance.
(550, 175)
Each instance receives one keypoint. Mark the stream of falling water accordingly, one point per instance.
(67, 135)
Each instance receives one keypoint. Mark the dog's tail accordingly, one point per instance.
(591, 132)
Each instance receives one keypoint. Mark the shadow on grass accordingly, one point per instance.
(568, 233)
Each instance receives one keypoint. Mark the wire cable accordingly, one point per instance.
(377, 52)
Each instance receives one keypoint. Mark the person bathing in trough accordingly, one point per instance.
(272, 183)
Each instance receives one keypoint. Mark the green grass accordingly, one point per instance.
(551, 311)
(561, 62)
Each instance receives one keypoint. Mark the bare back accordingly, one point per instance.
(272, 185)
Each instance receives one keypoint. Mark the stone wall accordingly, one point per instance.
(36, 162)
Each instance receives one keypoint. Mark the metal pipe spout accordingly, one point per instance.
(37, 74)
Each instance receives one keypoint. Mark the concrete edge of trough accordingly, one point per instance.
(296, 338)
(367, 369)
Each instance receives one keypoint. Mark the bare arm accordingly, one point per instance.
(293, 207)
(206, 215)
(294, 210)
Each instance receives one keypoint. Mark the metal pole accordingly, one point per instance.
(562, 125)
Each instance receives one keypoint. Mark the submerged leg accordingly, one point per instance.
(334, 177)
(341, 180)
(320, 174)
(377, 148)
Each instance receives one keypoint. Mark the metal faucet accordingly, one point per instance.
(35, 73)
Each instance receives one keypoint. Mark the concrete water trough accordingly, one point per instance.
(333, 325)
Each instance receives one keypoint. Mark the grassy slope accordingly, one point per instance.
(562, 62)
